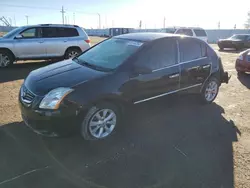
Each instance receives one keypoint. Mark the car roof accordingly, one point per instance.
(180, 27)
(50, 25)
(144, 37)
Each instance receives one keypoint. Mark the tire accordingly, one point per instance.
(6, 59)
(209, 97)
(89, 132)
(72, 52)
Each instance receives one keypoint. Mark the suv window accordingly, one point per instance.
(200, 33)
(191, 49)
(161, 54)
(187, 32)
(49, 32)
(67, 32)
(29, 33)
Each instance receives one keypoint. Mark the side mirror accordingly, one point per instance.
(142, 70)
(18, 36)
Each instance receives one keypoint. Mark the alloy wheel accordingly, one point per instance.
(4, 60)
(211, 91)
(102, 123)
(72, 54)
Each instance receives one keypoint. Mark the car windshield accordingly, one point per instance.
(110, 53)
(239, 37)
(168, 30)
(12, 32)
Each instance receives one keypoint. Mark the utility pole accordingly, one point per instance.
(62, 11)
(99, 20)
(14, 20)
(164, 22)
(74, 18)
(27, 19)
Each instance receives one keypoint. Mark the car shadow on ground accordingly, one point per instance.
(244, 79)
(20, 70)
(164, 143)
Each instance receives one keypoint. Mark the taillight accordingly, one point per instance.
(88, 41)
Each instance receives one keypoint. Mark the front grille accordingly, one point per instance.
(26, 96)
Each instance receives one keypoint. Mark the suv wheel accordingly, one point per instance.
(72, 52)
(100, 121)
(210, 90)
(6, 59)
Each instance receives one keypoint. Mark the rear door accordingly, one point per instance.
(31, 45)
(194, 63)
(161, 59)
(56, 40)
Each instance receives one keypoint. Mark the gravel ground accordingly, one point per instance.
(163, 143)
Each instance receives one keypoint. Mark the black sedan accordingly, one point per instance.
(98, 85)
(236, 41)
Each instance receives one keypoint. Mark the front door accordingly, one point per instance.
(194, 63)
(31, 45)
(161, 59)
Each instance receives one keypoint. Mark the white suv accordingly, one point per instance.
(46, 41)
(189, 31)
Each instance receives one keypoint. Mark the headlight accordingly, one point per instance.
(53, 99)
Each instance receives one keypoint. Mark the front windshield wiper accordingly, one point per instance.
(96, 67)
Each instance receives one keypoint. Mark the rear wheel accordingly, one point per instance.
(72, 52)
(210, 90)
(100, 121)
(6, 59)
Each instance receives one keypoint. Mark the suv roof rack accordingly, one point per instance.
(58, 25)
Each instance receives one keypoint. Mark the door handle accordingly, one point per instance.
(65, 41)
(174, 75)
(205, 66)
(41, 41)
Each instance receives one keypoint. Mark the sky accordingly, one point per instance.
(128, 13)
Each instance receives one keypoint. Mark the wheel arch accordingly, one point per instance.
(8, 50)
(72, 47)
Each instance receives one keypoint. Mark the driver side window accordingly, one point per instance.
(29, 33)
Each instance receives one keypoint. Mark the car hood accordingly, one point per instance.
(62, 74)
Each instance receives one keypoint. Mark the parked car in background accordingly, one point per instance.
(242, 63)
(237, 42)
(189, 31)
(125, 70)
(46, 41)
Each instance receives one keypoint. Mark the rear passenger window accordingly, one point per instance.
(161, 54)
(200, 33)
(187, 32)
(67, 32)
(49, 32)
(191, 49)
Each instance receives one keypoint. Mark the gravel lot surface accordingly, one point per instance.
(170, 143)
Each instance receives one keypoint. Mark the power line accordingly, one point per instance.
(31, 7)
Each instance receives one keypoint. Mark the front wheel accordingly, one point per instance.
(100, 121)
(210, 90)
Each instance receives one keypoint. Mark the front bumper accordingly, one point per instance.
(47, 122)
(242, 66)
(225, 77)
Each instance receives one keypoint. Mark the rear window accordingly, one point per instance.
(200, 33)
(54, 32)
(67, 32)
